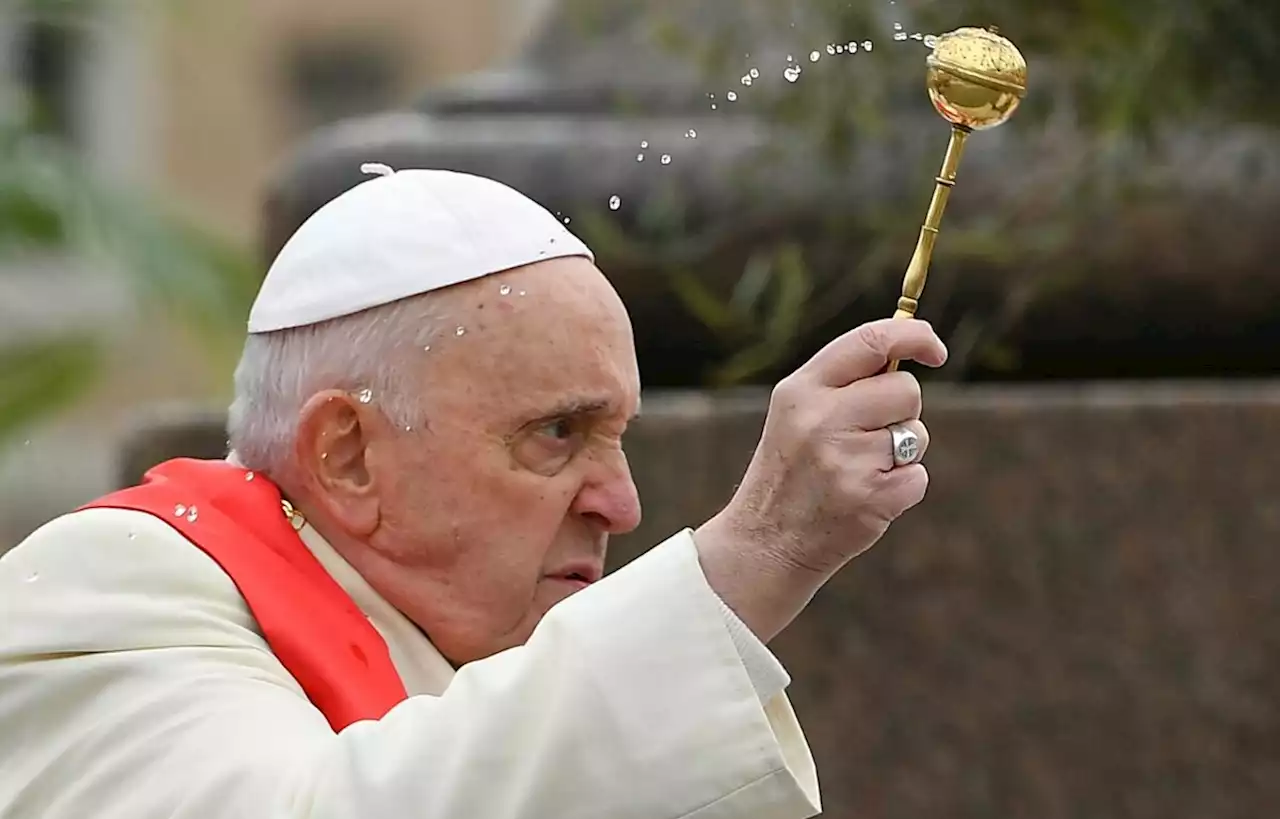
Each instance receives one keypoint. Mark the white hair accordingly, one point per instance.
(280, 371)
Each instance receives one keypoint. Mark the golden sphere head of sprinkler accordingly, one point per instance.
(976, 78)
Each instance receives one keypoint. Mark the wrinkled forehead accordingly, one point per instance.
(547, 334)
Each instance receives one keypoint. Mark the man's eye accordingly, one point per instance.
(559, 429)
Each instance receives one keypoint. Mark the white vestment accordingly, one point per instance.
(135, 684)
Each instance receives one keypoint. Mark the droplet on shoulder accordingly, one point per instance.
(248, 476)
(179, 510)
(505, 290)
(461, 331)
(193, 515)
(365, 396)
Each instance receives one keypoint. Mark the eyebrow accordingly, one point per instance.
(583, 406)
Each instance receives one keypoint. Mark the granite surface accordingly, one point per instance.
(1081, 621)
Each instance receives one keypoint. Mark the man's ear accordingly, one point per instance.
(335, 431)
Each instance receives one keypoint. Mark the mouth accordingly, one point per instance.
(580, 576)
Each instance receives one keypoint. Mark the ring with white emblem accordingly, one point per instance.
(906, 445)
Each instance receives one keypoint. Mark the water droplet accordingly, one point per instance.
(666, 159)
(732, 95)
(193, 515)
(133, 536)
(461, 331)
(917, 36)
(324, 456)
(900, 36)
(831, 49)
(839, 49)
(366, 395)
(640, 157)
(179, 510)
(746, 79)
(505, 290)
(814, 56)
(790, 59)
(852, 46)
(931, 40)
(755, 72)
(33, 577)
(567, 220)
(248, 476)
(866, 45)
(408, 429)
(615, 202)
(426, 349)
(690, 134)
(897, 26)
(522, 292)
(792, 73)
(644, 143)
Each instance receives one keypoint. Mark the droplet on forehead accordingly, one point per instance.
(461, 331)
(426, 349)
(365, 396)
(505, 290)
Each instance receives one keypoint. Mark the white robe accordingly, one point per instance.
(135, 684)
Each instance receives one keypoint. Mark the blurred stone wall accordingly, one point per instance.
(1082, 620)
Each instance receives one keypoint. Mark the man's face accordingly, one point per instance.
(501, 505)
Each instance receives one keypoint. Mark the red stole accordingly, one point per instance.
(310, 622)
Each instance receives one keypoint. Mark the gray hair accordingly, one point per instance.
(280, 371)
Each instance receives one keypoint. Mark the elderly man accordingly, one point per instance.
(388, 602)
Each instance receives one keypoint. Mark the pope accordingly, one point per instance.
(388, 601)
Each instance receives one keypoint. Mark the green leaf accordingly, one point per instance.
(39, 377)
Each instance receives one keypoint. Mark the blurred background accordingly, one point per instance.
(1081, 621)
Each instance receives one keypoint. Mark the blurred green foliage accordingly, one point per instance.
(1117, 74)
(53, 206)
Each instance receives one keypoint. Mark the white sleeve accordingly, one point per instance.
(134, 685)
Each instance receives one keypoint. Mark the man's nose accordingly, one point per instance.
(609, 498)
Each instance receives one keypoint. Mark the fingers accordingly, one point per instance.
(878, 401)
(865, 350)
